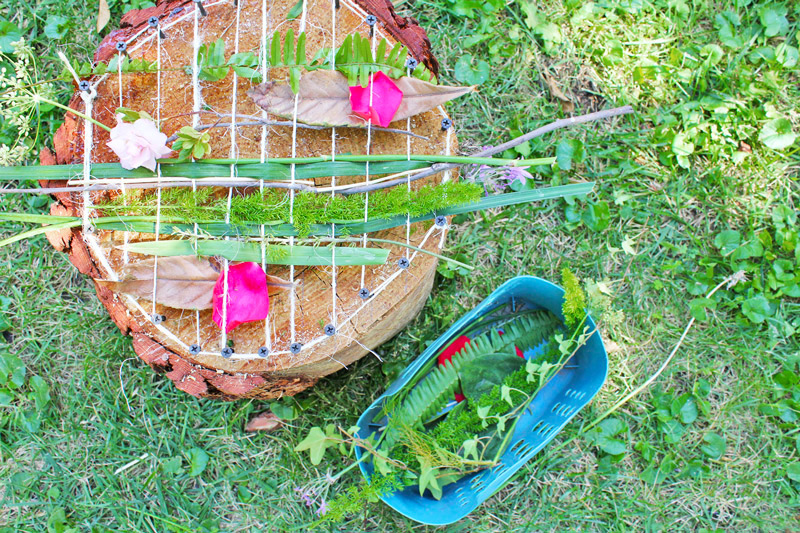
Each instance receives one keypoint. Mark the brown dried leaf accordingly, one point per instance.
(555, 91)
(184, 282)
(325, 98)
(264, 422)
(103, 15)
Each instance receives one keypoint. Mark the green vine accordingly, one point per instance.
(129, 66)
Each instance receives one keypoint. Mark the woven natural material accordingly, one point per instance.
(396, 294)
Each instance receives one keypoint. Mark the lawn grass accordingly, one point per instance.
(91, 438)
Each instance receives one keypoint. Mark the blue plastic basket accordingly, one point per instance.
(560, 400)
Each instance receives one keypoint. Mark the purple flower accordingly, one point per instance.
(518, 173)
(323, 508)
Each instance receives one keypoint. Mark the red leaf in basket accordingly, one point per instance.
(386, 98)
(247, 296)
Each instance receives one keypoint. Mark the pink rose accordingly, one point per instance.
(248, 297)
(138, 144)
(386, 98)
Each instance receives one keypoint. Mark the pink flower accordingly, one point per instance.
(386, 98)
(138, 144)
(248, 299)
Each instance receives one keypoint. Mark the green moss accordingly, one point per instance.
(205, 205)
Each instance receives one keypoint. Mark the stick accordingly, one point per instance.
(558, 124)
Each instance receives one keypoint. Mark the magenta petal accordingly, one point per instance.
(386, 98)
(248, 299)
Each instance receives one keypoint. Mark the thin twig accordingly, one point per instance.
(558, 124)
(260, 122)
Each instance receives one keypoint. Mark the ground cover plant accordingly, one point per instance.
(699, 185)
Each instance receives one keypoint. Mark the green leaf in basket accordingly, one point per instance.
(482, 374)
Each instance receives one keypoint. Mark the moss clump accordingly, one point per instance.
(205, 205)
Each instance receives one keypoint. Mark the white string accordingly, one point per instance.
(88, 142)
(126, 234)
(292, 296)
(408, 181)
(333, 178)
(196, 104)
(366, 166)
(264, 151)
(158, 167)
(233, 155)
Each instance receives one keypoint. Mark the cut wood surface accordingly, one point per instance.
(360, 324)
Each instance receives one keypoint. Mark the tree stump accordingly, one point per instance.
(396, 295)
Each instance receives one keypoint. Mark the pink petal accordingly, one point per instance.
(248, 299)
(386, 98)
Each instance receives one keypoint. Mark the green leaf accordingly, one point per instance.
(603, 436)
(198, 460)
(470, 448)
(793, 471)
(777, 134)
(698, 306)
(428, 480)
(316, 443)
(275, 50)
(283, 411)
(686, 408)
(172, 465)
(475, 74)
(288, 47)
(597, 216)
(40, 391)
(296, 10)
(567, 151)
(481, 375)
(505, 394)
(774, 20)
(714, 446)
(9, 33)
(727, 241)
(56, 26)
(758, 309)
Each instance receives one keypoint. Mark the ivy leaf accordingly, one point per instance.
(483, 412)
(316, 443)
(198, 460)
(777, 134)
(714, 446)
(427, 480)
(283, 411)
(505, 394)
(471, 448)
